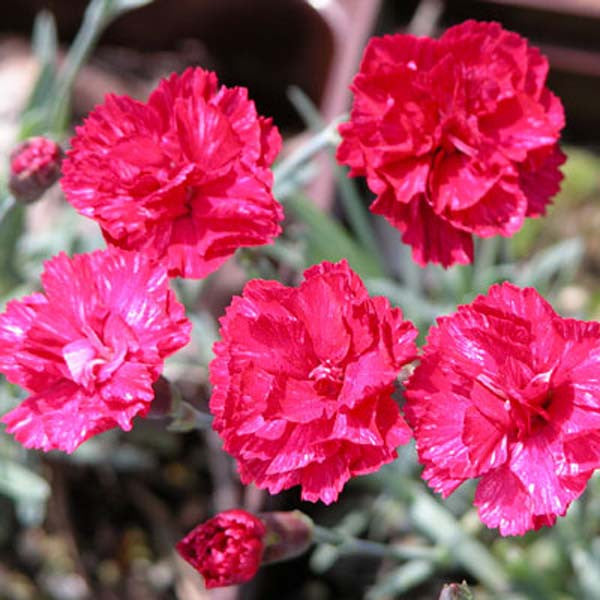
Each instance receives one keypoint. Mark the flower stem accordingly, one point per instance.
(351, 200)
(7, 204)
(285, 171)
(350, 545)
(202, 420)
(185, 416)
(98, 15)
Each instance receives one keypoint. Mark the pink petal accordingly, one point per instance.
(432, 238)
(62, 418)
(540, 179)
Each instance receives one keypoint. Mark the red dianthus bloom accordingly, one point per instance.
(88, 348)
(509, 391)
(456, 136)
(226, 549)
(184, 178)
(303, 381)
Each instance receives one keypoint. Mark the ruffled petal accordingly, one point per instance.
(64, 416)
(90, 347)
(433, 239)
(184, 178)
(302, 382)
(454, 136)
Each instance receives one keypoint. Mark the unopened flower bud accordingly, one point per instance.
(455, 591)
(229, 548)
(34, 167)
(225, 550)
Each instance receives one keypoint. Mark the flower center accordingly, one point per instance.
(457, 136)
(529, 406)
(328, 378)
(90, 359)
(530, 416)
(190, 194)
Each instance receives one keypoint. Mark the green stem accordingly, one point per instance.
(7, 204)
(186, 417)
(351, 545)
(350, 197)
(97, 16)
(203, 420)
(507, 247)
(286, 168)
(485, 260)
(356, 213)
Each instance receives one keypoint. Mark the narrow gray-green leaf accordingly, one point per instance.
(328, 240)
(439, 524)
(402, 579)
(20, 483)
(559, 261)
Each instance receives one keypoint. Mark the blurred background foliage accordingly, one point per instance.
(101, 523)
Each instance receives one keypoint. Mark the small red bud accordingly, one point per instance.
(229, 548)
(455, 591)
(34, 167)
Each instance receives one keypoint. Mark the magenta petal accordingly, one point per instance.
(487, 443)
(205, 134)
(519, 125)
(90, 348)
(408, 178)
(540, 179)
(184, 177)
(503, 502)
(500, 211)
(370, 372)
(301, 403)
(508, 391)
(62, 418)
(442, 123)
(433, 239)
(440, 439)
(582, 453)
(78, 355)
(302, 382)
(547, 495)
(322, 308)
(325, 483)
(226, 549)
(459, 183)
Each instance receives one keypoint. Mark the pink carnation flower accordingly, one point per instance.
(184, 178)
(508, 391)
(456, 136)
(89, 348)
(303, 381)
(227, 549)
